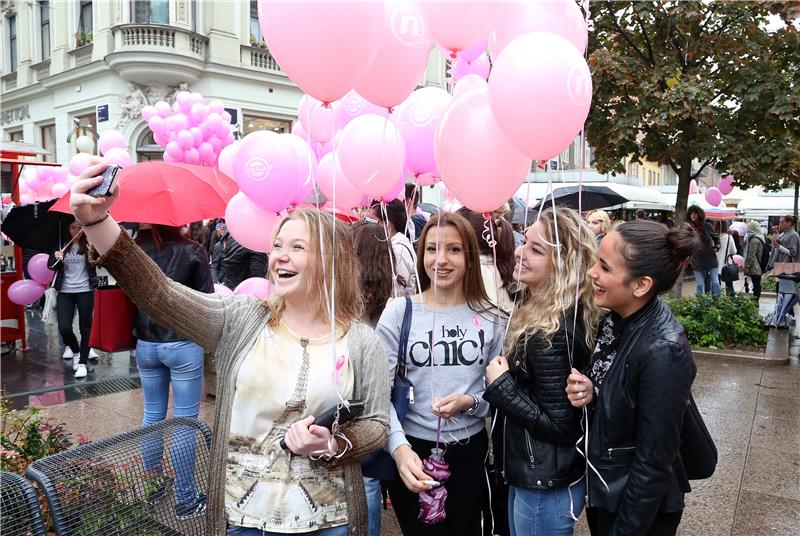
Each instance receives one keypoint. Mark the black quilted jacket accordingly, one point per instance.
(536, 430)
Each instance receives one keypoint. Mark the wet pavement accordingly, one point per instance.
(752, 411)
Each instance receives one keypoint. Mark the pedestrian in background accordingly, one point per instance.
(785, 248)
(395, 220)
(75, 281)
(600, 224)
(756, 242)
(704, 262)
(726, 250)
(233, 263)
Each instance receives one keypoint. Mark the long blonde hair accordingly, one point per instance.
(544, 307)
(348, 303)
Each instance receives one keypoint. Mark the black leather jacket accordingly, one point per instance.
(58, 267)
(183, 261)
(537, 427)
(636, 420)
(233, 263)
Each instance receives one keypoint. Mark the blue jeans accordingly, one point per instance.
(544, 512)
(372, 487)
(341, 530)
(159, 364)
(700, 281)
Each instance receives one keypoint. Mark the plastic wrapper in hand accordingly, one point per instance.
(431, 503)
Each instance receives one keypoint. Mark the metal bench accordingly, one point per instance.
(20, 514)
(128, 483)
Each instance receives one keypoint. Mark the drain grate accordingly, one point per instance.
(107, 387)
(87, 389)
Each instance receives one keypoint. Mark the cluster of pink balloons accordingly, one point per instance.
(190, 131)
(40, 183)
(114, 148)
(28, 291)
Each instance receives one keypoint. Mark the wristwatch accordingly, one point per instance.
(475, 402)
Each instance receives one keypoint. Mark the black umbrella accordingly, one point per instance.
(592, 197)
(428, 207)
(35, 227)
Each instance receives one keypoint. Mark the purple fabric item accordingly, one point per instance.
(431, 503)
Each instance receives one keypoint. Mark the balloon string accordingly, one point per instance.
(389, 250)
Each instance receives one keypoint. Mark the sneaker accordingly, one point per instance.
(92, 354)
(67, 353)
(81, 371)
(194, 508)
(76, 360)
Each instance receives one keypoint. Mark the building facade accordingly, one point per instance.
(95, 64)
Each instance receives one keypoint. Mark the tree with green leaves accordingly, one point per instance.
(677, 82)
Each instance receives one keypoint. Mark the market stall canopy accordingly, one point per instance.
(637, 196)
(763, 206)
(22, 148)
(712, 212)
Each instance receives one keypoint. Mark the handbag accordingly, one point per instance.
(786, 267)
(112, 321)
(698, 451)
(380, 464)
(729, 272)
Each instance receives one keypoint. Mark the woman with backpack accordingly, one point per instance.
(756, 244)
(638, 386)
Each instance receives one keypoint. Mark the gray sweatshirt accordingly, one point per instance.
(463, 344)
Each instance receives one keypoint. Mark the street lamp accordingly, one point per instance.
(84, 143)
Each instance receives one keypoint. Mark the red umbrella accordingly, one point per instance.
(169, 194)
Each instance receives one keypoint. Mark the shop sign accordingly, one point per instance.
(102, 113)
(15, 115)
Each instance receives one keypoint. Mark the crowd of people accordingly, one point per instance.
(547, 375)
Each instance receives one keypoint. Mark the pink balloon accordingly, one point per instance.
(561, 17)
(714, 197)
(299, 130)
(725, 185)
(418, 118)
(354, 105)
(474, 51)
(77, 164)
(692, 186)
(176, 107)
(305, 180)
(38, 270)
(222, 290)
(478, 164)
(175, 150)
(468, 83)
(118, 157)
(372, 154)
(401, 59)
(331, 180)
(319, 121)
(164, 109)
(60, 174)
(25, 292)
(214, 120)
(178, 122)
(185, 139)
(45, 173)
(110, 139)
(198, 113)
(59, 189)
(460, 25)
(148, 112)
(426, 179)
(158, 125)
(267, 169)
(197, 136)
(540, 90)
(25, 199)
(396, 190)
(161, 139)
(460, 69)
(324, 47)
(254, 287)
(191, 156)
(226, 158)
(216, 107)
(738, 260)
(249, 225)
(216, 143)
(206, 152)
(480, 66)
(169, 159)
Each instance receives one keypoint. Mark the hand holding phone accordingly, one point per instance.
(347, 413)
(102, 189)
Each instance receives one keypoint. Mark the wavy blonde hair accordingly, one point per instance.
(605, 220)
(543, 307)
(348, 303)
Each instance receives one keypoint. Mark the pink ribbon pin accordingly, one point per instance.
(337, 371)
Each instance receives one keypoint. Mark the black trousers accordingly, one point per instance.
(756, 285)
(465, 490)
(601, 522)
(65, 311)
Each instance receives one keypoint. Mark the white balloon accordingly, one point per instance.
(84, 144)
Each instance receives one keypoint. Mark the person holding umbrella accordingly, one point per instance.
(75, 282)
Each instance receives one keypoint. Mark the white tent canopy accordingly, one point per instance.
(638, 196)
(767, 205)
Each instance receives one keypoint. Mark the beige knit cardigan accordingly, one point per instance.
(228, 327)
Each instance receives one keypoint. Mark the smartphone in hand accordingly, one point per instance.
(104, 187)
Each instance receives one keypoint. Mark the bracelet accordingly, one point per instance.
(104, 218)
(475, 402)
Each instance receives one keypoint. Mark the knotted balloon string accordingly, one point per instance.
(432, 502)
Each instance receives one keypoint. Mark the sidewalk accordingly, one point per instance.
(751, 410)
